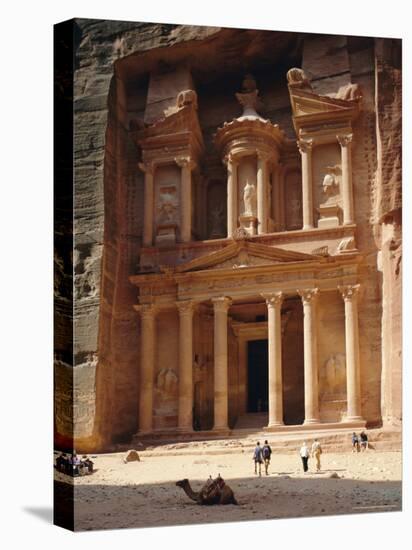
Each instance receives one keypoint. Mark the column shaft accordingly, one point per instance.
(347, 191)
(305, 147)
(186, 165)
(310, 355)
(232, 186)
(262, 184)
(146, 369)
(185, 410)
(148, 204)
(221, 367)
(353, 389)
(274, 304)
(242, 351)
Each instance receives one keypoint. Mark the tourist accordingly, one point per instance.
(355, 443)
(267, 453)
(257, 458)
(363, 441)
(316, 452)
(87, 464)
(75, 464)
(304, 455)
(62, 463)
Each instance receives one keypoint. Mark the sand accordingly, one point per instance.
(144, 494)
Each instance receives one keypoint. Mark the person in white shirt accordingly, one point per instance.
(304, 455)
(316, 452)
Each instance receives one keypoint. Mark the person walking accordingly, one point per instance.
(355, 443)
(258, 458)
(267, 453)
(304, 455)
(316, 452)
(363, 441)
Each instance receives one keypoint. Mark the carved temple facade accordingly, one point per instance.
(248, 298)
(237, 252)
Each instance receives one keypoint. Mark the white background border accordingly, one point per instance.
(26, 207)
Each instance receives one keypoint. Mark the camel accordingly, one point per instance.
(213, 492)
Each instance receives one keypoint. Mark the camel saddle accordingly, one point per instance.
(213, 488)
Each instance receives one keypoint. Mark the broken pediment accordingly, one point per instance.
(243, 254)
(309, 108)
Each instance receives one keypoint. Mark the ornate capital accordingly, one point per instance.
(147, 311)
(185, 307)
(349, 291)
(185, 162)
(273, 299)
(344, 139)
(308, 295)
(229, 159)
(262, 155)
(146, 167)
(305, 145)
(221, 303)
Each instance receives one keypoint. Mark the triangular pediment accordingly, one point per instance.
(306, 103)
(243, 254)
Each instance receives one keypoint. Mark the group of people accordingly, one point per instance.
(359, 442)
(314, 452)
(262, 454)
(73, 465)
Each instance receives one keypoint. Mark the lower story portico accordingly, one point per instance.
(255, 331)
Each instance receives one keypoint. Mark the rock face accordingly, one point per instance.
(97, 383)
(132, 456)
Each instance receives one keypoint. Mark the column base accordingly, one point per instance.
(274, 424)
(221, 430)
(354, 419)
(185, 430)
(312, 421)
(305, 227)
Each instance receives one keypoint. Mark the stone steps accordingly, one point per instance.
(281, 443)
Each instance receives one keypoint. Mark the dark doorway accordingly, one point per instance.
(258, 376)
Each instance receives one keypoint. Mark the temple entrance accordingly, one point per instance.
(257, 376)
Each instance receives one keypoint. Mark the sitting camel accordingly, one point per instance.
(213, 492)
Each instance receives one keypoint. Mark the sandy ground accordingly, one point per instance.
(144, 494)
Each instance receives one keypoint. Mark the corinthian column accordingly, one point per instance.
(187, 165)
(262, 194)
(310, 347)
(305, 148)
(148, 169)
(221, 306)
(274, 303)
(347, 191)
(232, 214)
(147, 315)
(349, 294)
(185, 413)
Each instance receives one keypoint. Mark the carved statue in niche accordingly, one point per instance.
(249, 199)
(166, 381)
(334, 376)
(166, 392)
(167, 205)
(330, 186)
(217, 218)
(294, 220)
(329, 209)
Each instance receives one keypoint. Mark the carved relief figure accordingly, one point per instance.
(167, 205)
(217, 221)
(330, 188)
(249, 199)
(334, 375)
